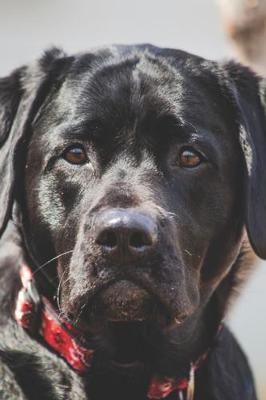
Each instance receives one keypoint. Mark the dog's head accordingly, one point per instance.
(135, 170)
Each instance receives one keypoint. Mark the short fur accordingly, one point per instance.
(133, 109)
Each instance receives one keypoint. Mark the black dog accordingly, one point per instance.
(129, 178)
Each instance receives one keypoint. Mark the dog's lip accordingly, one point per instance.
(94, 314)
(125, 300)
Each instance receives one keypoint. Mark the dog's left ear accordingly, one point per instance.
(21, 95)
(249, 96)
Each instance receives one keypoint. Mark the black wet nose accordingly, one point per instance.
(125, 232)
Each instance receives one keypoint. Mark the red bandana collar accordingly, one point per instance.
(35, 314)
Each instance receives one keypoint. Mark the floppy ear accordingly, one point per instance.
(249, 94)
(21, 95)
(10, 96)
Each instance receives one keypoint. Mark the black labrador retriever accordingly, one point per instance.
(132, 182)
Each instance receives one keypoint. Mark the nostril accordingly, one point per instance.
(107, 238)
(125, 233)
(139, 239)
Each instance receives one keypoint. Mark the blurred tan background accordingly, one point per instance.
(245, 25)
(27, 27)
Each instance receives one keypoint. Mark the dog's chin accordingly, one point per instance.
(124, 301)
(119, 319)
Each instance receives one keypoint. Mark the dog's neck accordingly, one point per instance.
(35, 314)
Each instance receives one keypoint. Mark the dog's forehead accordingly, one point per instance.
(125, 88)
(139, 82)
(119, 85)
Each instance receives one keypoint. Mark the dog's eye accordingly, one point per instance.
(189, 158)
(75, 155)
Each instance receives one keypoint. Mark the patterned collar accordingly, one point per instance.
(35, 314)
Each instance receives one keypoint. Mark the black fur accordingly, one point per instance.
(133, 109)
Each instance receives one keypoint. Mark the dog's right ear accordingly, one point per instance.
(21, 95)
(10, 97)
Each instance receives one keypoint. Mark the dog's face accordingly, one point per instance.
(134, 178)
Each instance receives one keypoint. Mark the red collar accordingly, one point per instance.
(35, 314)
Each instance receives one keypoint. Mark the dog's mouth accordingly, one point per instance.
(126, 301)
(121, 302)
(125, 317)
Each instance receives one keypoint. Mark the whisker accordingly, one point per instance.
(49, 261)
(58, 292)
(76, 320)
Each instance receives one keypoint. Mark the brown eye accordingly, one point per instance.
(75, 155)
(189, 158)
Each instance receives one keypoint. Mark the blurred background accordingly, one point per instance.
(204, 27)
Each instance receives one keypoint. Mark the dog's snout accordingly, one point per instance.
(126, 232)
